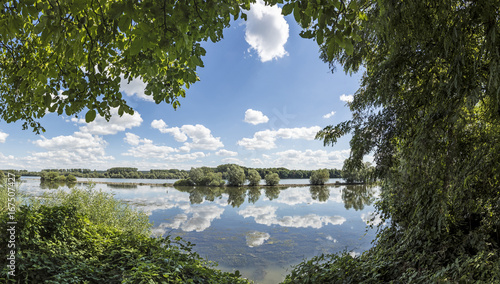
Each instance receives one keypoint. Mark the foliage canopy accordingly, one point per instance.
(68, 56)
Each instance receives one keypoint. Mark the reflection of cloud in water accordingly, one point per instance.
(255, 238)
(330, 238)
(354, 254)
(367, 218)
(201, 219)
(266, 215)
(294, 196)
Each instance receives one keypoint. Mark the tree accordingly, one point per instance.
(253, 177)
(235, 176)
(319, 177)
(272, 179)
(66, 57)
(429, 110)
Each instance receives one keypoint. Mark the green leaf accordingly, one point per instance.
(287, 9)
(349, 47)
(90, 115)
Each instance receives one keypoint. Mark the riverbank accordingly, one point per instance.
(171, 184)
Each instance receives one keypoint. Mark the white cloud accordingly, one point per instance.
(266, 31)
(224, 152)
(310, 159)
(116, 123)
(201, 136)
(256, 238)
(146, 149)
(328, 115)
(255, 117)
(266, 139)
(79, 149)
(131, 139)
(179, 136)
(135, 87)
(3, 136)
(347, 98)
(232, 161)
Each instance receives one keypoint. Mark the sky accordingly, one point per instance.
(263, 95)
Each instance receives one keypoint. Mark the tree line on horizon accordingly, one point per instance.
(134, 173)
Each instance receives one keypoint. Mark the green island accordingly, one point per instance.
(428, 110)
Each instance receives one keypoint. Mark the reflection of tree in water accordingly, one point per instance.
(357, 196)
(320, 193)
(253, 195)
(56, 184)
(236, 196)
(199, 193)
(272, 192)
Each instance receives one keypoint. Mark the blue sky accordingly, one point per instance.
(263, 95)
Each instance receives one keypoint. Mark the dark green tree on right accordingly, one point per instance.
(428, 109)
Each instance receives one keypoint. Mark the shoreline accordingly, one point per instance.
(171, 184)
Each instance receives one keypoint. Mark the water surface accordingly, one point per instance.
(259, 231)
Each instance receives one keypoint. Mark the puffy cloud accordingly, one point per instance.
(310, 159)
(132, 139)
(201, 136)
(135, 87)
(256, 238)
(146, 149)
(3, 136)
(255, 117)
(328, 115)
(79, 149)
(266, 31)
(266, 139)
(224, 152)
(101, 126)
(347, 98)
(179, 136)
(266, 215)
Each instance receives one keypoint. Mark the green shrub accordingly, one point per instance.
(272, 179)
(70, 178)
(319, 177)
(235, 175)
(184, 182)
(253, 177)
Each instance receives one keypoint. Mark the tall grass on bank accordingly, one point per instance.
(100, 207)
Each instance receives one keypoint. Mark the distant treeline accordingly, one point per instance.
(134, 173)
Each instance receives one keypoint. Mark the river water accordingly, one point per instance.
(261, 231)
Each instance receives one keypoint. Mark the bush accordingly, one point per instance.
(70, 178)
(184, 182)
(253, 177)
(272, 179)
(235, 176)
(319, 177)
